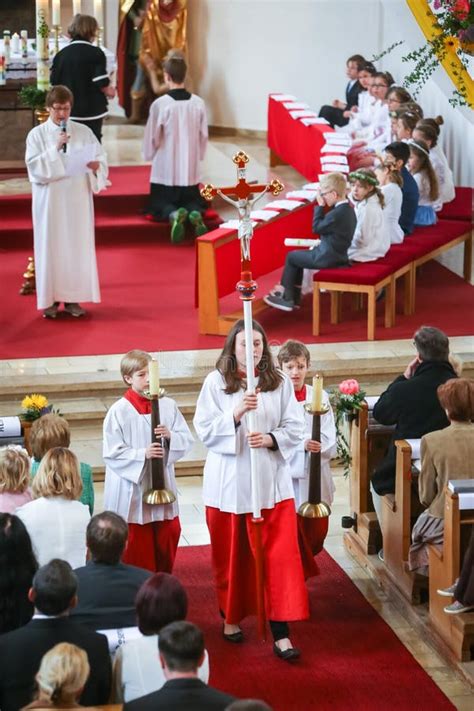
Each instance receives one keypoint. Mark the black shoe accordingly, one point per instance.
(235, 637)
(288, 655)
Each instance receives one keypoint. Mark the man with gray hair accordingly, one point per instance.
(411, 403)
(53, 594)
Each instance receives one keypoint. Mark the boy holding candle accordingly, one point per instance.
(154, 530)
(294, 359)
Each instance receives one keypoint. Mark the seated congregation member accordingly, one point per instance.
(462, 589)
(359, 115)
(221, 424)
(137, 671)
(411, 404)
(61, 678)
(334, 226)
(51, 431)
(181, 650)
(55, 519)
(445, 454)
(14, 478)
(379, 131)
(17, 568)
(107, 587)
(335, 114)
(83, 69)
(420, 167)
(371, 239)
(53, 594)
(396, 157)
(406, 117)
(153, 531)
(428, 130)
(391, 183)
(294, 359)
(175, 141)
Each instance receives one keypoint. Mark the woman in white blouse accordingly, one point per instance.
(55, 520)
(391, 182)
(137, 669)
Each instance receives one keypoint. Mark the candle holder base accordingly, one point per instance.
(158, 497)
(309, 409)
(320, 510)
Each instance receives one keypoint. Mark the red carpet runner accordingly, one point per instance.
(351, 659)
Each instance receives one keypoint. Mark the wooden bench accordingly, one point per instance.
(402, 260)
(457, 631)
(399, 512)
(369, 443)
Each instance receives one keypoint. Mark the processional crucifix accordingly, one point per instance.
(246, 288)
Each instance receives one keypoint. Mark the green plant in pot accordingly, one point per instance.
(35, 98)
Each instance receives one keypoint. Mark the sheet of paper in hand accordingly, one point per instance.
(78, 158)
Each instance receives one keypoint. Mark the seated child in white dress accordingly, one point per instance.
(420, 167)
(428, 130)
(391, 182)
(371, 240)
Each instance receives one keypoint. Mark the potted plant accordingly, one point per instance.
(35, 98)
(32, 407)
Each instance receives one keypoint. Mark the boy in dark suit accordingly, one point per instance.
(335, 114)
(181, 647)
(335, 228)
(53, 594)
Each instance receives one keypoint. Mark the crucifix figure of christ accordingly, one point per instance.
(246, 288)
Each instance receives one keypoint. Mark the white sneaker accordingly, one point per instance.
(448, 592)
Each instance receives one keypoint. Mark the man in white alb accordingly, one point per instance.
(66, 165)
(175, 141)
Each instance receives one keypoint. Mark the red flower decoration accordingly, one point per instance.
(461, 8)
(349, 387)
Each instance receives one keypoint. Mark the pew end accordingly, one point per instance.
(457, 631)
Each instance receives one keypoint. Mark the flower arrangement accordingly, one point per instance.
(346, 400)
(34, 406)
(452, 28)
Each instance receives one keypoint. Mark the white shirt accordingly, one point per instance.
(227, 479)
(127, 433)
(57, 527)
(137, 670)
(300, 460)
(63, 215)
(370, 240)
(445, 176)
(175, 140)
(391, 212)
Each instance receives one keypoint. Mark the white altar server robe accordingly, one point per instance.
(57, 528)
(127, 433)
(370, 240)
(300, 460)
(63, 215)
(227, 481)
(175, 140)
(391, 212)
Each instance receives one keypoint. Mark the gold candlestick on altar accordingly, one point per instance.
(57, 32)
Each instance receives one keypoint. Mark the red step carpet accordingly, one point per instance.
(148, 289)
(351, 659)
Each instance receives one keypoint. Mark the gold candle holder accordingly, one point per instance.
(314, 507)
(158, 494)
(57, 32)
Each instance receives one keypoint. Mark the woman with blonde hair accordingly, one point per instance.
(55, 519)
(14, 478)
(61, 678)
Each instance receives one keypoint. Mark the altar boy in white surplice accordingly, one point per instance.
(66, 165)
(153, 530)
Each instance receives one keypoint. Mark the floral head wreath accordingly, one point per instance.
(411, 142)
(360, 175)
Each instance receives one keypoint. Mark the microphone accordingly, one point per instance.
(63, 126)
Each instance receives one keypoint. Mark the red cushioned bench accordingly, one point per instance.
(402, 260)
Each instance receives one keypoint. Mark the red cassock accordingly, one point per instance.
(233, 559)
(153, 545)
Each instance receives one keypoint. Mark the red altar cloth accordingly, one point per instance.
(296, 144)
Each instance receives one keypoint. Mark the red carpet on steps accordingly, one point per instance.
(351, 659)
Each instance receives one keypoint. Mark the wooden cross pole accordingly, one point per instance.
(246, 288)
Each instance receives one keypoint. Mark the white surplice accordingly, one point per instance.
(127, 433)
(299, 461)
(63, 215)
(391, 212)
(227, 481)
(175, 140)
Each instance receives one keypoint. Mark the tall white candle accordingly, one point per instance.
(317, 404)
(42, 49)
(6, 46)
(76, 7)
(154, 377)
(56, 13)
(15, 43)
(24, 43)
(99, 12)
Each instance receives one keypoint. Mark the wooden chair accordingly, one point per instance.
(369, 442)
(399, 511)
(457, 631)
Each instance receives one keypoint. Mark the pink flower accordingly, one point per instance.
(461, 8)
(349, 387)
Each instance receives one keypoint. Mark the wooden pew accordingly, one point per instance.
(369, 443)
(457, 631)
(399, 512)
